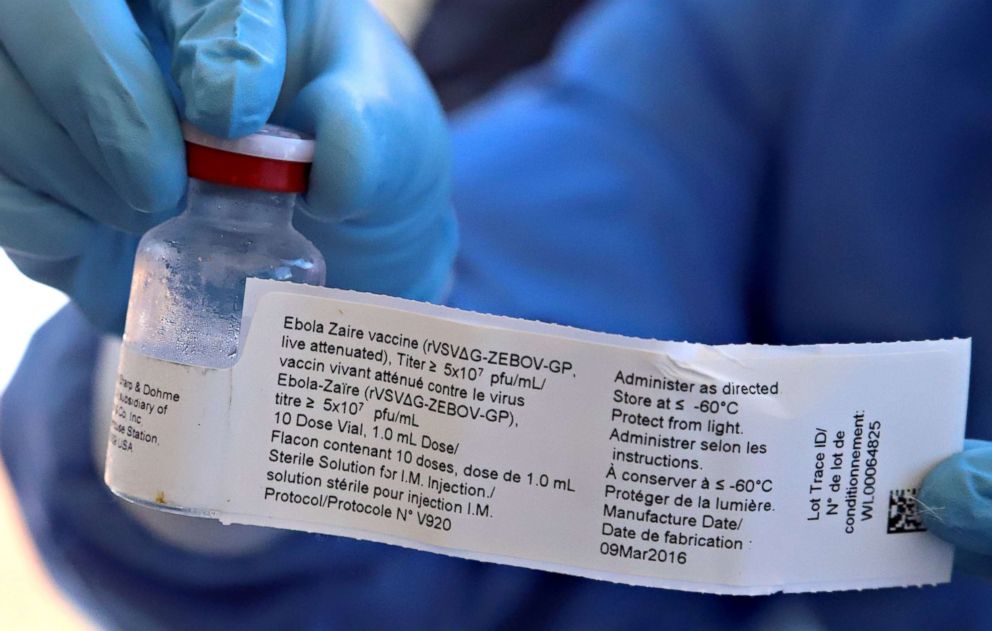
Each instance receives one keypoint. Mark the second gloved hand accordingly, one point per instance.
(956, 503)
(91, 153)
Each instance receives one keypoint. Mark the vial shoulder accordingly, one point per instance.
(201, 249)
(162, 236)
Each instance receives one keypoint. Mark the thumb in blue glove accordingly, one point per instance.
(956, 504)
(93, 157)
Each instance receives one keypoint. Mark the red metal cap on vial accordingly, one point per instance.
(274, 159)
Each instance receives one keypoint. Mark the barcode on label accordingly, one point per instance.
(904, 514)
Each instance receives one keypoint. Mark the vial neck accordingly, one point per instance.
(238, 207)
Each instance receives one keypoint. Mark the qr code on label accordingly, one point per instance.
(904, 514)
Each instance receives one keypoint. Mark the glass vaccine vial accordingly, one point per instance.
(188, 287)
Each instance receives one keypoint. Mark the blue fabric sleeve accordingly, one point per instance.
(617, 187)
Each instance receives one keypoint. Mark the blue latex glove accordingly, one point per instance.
(91, 153)
(956, 502)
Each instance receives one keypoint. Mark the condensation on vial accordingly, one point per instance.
(190, 272)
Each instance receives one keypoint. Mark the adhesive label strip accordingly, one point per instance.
(725, 469)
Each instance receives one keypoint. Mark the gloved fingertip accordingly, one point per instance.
(145, 160)
(229, 60)
(158, 186)
(229, 100)
(955, 499)
(335, 182)
(349, 158)
(137, 223)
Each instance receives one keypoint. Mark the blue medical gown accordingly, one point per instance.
(711, 171)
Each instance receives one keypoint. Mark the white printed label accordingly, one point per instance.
(726, 469)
